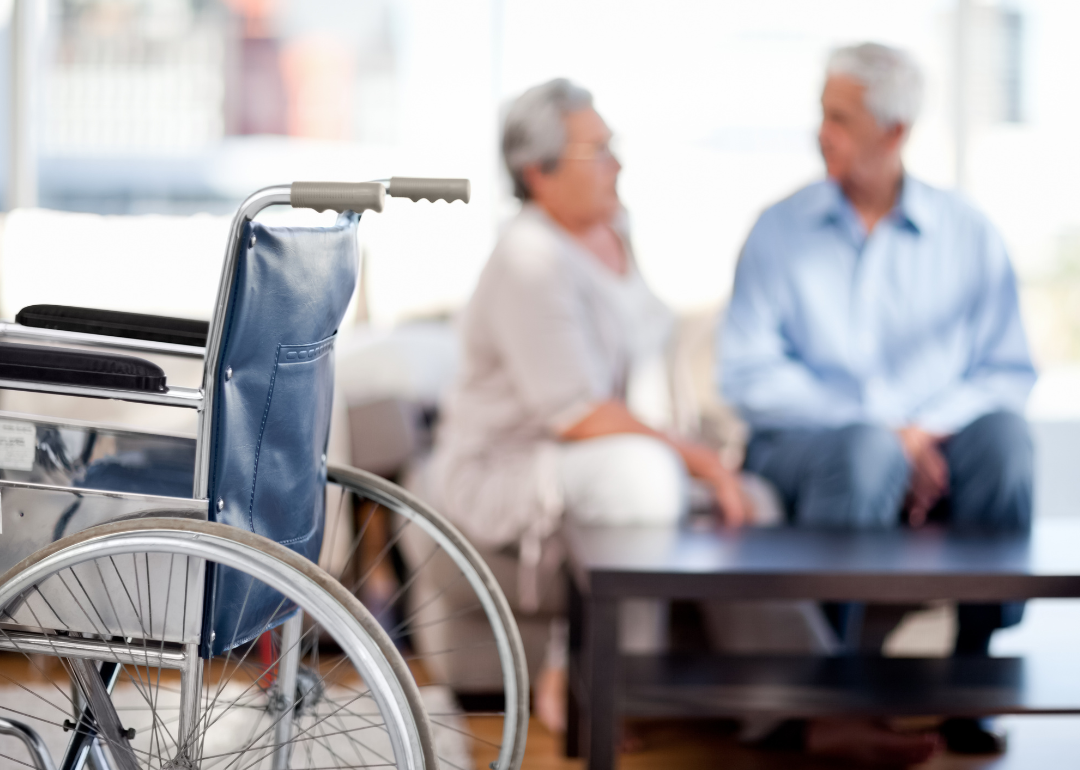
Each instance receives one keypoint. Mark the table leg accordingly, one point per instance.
(601, 659)
(574, 711)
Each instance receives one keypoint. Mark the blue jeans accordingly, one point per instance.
(856, 477)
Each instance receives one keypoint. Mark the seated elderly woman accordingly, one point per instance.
(537, 425)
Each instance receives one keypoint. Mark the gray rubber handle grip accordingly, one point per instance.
(419, 188)
(338, 196)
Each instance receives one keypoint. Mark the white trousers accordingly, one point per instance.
(621, 481)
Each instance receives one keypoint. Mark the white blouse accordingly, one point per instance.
(549, 333)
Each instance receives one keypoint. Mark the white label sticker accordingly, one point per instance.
(18, 445)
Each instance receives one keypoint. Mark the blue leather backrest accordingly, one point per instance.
(271, 418)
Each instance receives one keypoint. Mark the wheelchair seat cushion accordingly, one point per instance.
(113, 323)
(93, 369)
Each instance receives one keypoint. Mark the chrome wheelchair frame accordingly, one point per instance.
(40, 594)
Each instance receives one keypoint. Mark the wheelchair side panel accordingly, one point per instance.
(110, 458)
(272, 407)
(121, 592)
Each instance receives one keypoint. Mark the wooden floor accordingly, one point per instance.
(1044, 743)
(1036, 743)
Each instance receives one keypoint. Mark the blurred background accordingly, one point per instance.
(170, 112)
(186, 106)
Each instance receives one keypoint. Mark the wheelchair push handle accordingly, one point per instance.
(338, 196)
(420, 188)
(371, 196)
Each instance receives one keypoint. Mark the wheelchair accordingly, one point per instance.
(161, 605)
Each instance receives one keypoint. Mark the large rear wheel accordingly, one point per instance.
(439, 602)
(103, 629)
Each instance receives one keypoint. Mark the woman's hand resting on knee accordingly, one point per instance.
(703, 463)
(612, 417)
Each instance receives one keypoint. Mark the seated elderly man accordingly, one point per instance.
(874, 343)
(560, 324)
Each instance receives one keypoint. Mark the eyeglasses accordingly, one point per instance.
(594, 151)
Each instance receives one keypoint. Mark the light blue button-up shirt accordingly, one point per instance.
(915, 323)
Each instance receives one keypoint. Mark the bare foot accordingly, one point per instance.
(868, 742)
(550, 699)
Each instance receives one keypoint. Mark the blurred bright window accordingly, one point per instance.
(716, 108)
(178, 106)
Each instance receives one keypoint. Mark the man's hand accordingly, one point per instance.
(704, 463)
(929, 472)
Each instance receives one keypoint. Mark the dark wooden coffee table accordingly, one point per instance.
(608, 565)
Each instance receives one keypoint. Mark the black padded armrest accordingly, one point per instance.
(113, 323)
(62, 366)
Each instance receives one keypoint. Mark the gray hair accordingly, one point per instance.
(893, 80)
(534, 131)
